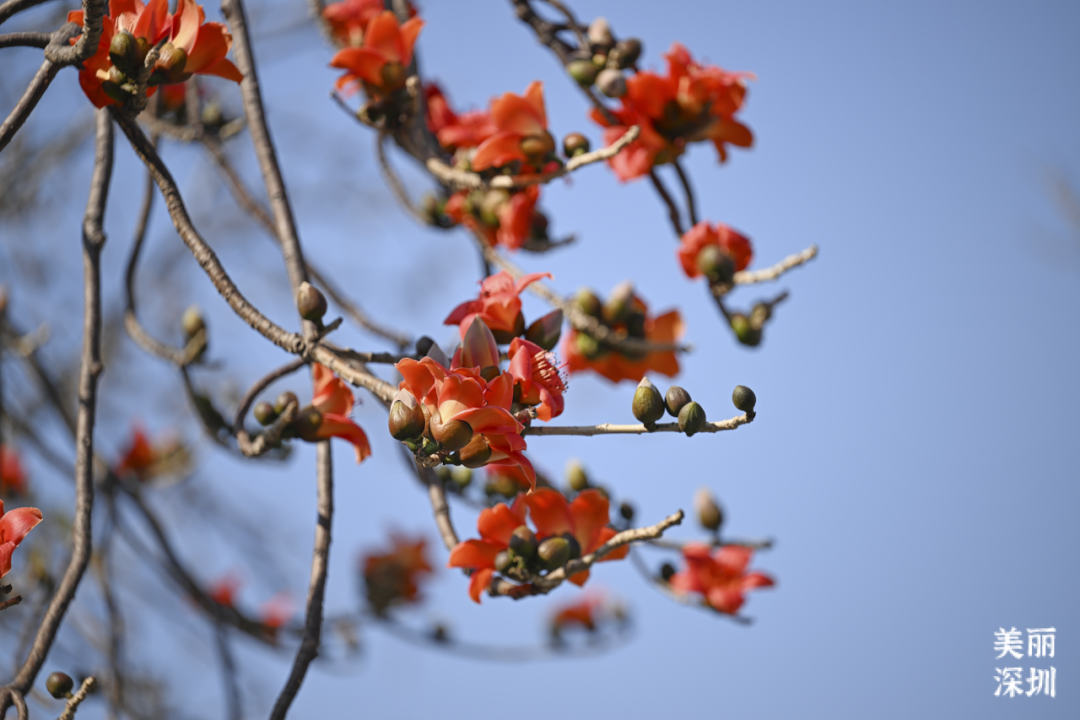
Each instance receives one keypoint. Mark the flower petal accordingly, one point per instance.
(479, 583)
(497, 524)
(618, 553)
(342, 427)
(475, 554)
(549, 511)
(589, 513)
(16, 524)
(362, 62)
(499, 149)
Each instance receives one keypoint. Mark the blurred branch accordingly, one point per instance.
(11, 7)
(748, 277)
(88, 686)
(673, 209)
(688, 191)
(25, 39)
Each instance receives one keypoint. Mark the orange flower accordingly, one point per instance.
(334, 401)
(735, 244)
(522, 131)
(584, 353)
(499, 304)
(12, 475)
(275, 612)
(497, 472)
(13, 528)
(496, 525)
(194, 47)
(585, 518)
(139, 458)
(223, 590)
(693, 102)
(500, 217)
(535, 373)
(456, 131)
(348, 19)
(720, 576)
(394, 577)
(581, 613)
(382, 60)
(468, 413)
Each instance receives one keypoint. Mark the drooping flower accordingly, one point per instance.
(496, 525)
(394, 577)
(586, 518)
(731, 242)
(582, 352)
(334, 401)
(692, 102)
(720, 575)
(539, 380)
(348, 19)
(193, 47)
(522, 131)
(14, 526)
(456, 131)
(499, 304)
(381, 62)
(12, 475)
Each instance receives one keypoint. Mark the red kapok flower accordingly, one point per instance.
(13, 528)
(509, 477)
(500, 217)
(334, 401)
(194, 47)
(275, 612)
(522, 135)
(720, 576)
(12, 475)
(394, 577)
(223, 590)
(139, 457)
(496, 525)
(702, 235)
(581, 613)
(382, 60)
(499, 303)
(535, 372)
(349, 19)
(585, 518)
(456, 131)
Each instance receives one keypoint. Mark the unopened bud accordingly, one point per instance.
(590, 347)
(452, 435)
(284, 400)
(675, 399)
(307, 424)
(627, 52)
(716, 264)
(505, 337)
(648, 406)
(264, 413)
(667, 571)
(574, 545)
(744, 331)
(407, 419)
(708, 510)
(627, 511)
(191, 322)
(490, 205)
(546, 331)
(476, 453)
(538, 146)
(393, 76)
(619, 303)
(114, 91)
(310, 302)
(575, 144)
(462, 477)
(554, 552)
(576, 477)
(744, 398)
(523, 542)
(124, 51)
(59, 685)
(692, 419)
(587, 302)
(171, 62)
(760, 315)
(423, 344)
(611, 82)
(478, 347)
(583, 71)
(600, 32)
(503, 561)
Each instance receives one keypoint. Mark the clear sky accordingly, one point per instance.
(915, 454)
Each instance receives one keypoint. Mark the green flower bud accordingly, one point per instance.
(716, 264)
(264, 413)
(546, 331)
(503, 561)
(171, 62)
(407, 419)
(675, 399)
(600, 33)
(123, 51)
(444, 473)
(538, 147)
(619, 303)
(627, 511)
(708, 510)
(575, 144)
(462, 476)
(611, 82)
(744, 398)
(476, 453)
(587, 302)
(59, 685)
(574, 545)
(576, 477)
(501, 485)
(744, 331)
(583, 71)
(760, 315)
(590, 347)
(393, 76)
(452, 435)
(307, 424)
(648, 406)
(310, 302)
(523, 542)
(666, 571)
(627, 52)
(191, 322)
(554, 553)
(692, 419)
(283, 400)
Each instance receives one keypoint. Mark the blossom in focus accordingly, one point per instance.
(499, 304)
(349, 19)
(692, 102)
(586, 518)
(719, 575)
(14, 526)
(334, 401)
(394, 576)
(496, 525)
(455, 131)
(537, 377)
(522, 131)
(193, 47)
(12, 475)
(731, 242)
(381, 62)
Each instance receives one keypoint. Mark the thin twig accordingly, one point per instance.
(609, 429)
(396, 187)
(688, 191)
(673, 210)
(748, 277)
(260, 385)
(13, 6)
(228, 671)
(87, 687)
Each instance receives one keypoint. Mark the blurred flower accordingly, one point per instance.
(499, 303)
(693, 102)
(143, 460)
(334, 401)
(535, 374)
(496, 525)
(500, 217)
(13, 528)
(349, 19)
(12, 475)
(275, 612)
(586, 518)
(381, 63)
(702, 235)
(456, 131)
(223, 590)
(394, 577)
(522, 131)
(582, 613)
(193, 47)
(720, 575)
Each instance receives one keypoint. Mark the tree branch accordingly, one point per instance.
(748, 277)
(609, 429)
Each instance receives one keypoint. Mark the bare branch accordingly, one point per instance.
(25, 39)
(260, 385)
(688, 191)
(673, 209)
(14, 6)
(87, 687)
(748, 277)
(609, 429)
